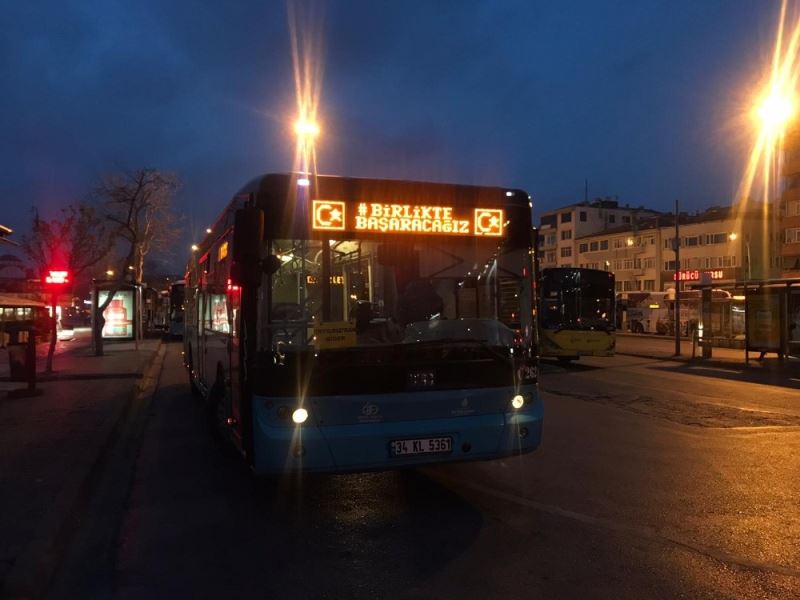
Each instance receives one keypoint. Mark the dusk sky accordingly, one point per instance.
(644, 97)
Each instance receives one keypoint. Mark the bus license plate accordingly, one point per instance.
(437, 445)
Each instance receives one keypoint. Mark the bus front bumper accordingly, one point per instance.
(367, 446)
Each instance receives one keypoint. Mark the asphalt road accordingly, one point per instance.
(655, 479)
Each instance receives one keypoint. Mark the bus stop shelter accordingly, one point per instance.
(772, 316)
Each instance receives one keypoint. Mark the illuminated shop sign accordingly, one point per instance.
(332, 215)
(334, 279)
(697, 275)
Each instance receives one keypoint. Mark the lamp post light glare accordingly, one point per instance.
(304, 128)
(732, 237)
(110, 272)
(195, 247)
(774, 111)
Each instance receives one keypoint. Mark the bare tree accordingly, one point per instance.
(139, 207)
(77, 240)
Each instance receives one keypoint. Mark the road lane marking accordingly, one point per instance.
(644, 532)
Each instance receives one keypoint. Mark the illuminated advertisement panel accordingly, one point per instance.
(378, 217)
(118, 315)
(763, 321)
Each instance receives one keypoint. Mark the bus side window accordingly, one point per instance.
(218, 313)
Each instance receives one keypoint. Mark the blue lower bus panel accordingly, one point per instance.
(388, 431)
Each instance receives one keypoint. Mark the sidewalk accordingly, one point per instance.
(663, 348)
(50, 446)
(78, 343)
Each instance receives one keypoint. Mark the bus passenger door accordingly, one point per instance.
(234, 362)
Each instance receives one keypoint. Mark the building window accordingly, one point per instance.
(551, 256)
(618, 243)
(649, 263)
(793, 209)
(604, 245)
(626, 219)
(593, 246)
(566, 217)
(566, 252)
(669, 265)
(719, 238)
(627, 263)
(583, 216)
(612, 218)
(566, 234)
(548, 220)
(793, 235)
(691, 241)
(649, 285)
(583, 248)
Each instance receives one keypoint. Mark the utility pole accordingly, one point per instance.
(676, 246)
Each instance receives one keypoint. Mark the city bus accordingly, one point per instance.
(654, 313)
(175, 323)
(341, 325)
(576, 316)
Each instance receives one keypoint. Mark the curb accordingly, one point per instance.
(33, 570)
(709, 362)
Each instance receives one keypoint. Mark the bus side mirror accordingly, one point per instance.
(248, 234)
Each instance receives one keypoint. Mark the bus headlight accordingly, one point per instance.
(300, 415)
(518, 401)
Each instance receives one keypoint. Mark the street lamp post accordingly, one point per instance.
(676, 246)
(307, 131)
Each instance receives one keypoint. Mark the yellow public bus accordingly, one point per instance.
(576, 316)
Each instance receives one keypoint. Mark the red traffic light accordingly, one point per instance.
(57, 277)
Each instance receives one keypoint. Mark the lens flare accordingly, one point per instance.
(773, 110)
(305, 32)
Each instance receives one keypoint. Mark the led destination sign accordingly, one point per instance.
(333, 215)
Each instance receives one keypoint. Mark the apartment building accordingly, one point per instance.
(560, 229)
(719, 244)
(790, 206)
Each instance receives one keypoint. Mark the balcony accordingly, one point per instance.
(792, 249)
(791, 194)
(791, 166)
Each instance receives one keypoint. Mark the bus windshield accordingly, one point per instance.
(577, 299)
(398, 291)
